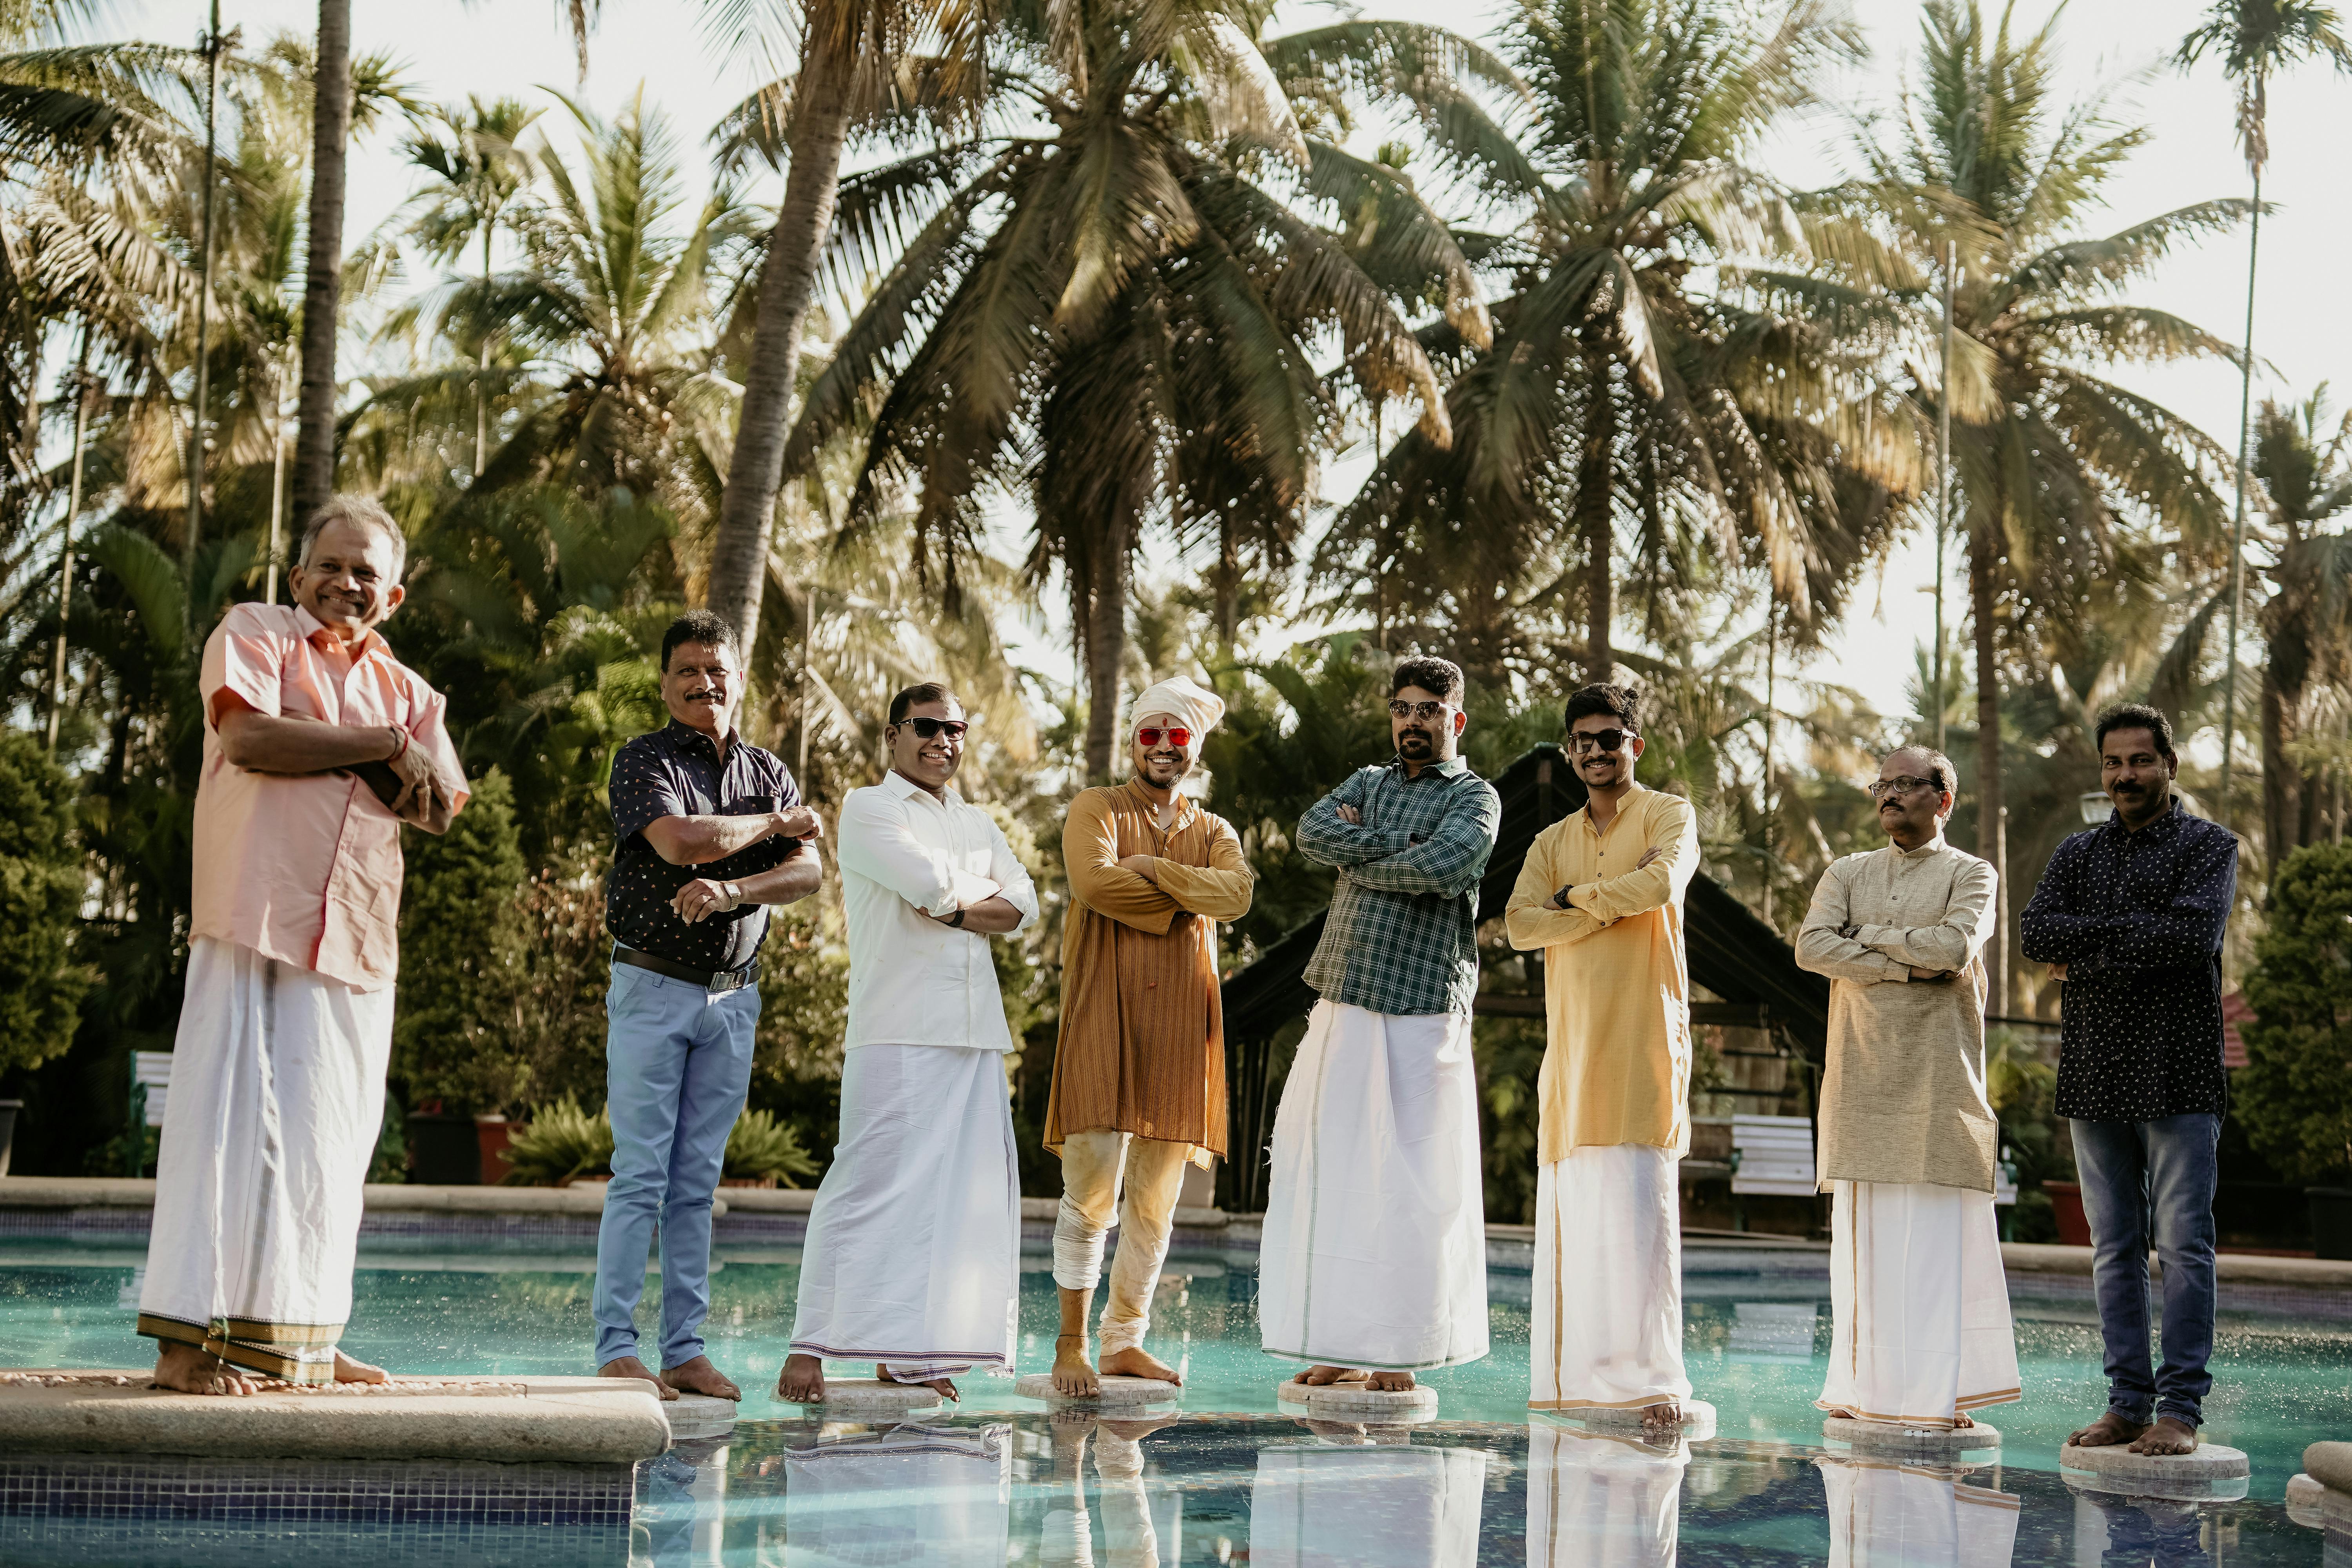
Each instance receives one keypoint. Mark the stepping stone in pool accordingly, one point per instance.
(870, 1396)
(2213, 1473)
(1910, 1442)
(2307, 1501)
(1699, 1419)
(1358, 1402)
(694, 1415)
(1115, 1391)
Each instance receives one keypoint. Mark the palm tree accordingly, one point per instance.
(2255, 39)
(851, 53)
(477, 169)
(2302, 455)
(1665, 364)
(2053, 465)
(1130, 342)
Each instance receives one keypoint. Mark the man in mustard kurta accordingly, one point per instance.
(1601, 894)
(1140, 1072)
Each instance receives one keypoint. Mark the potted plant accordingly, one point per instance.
(762, 1151)
(559, 1145)
(2295, 1094)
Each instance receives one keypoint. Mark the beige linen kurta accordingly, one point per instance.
(1904, 1097)
(1617, 1056)
(1143, 1042)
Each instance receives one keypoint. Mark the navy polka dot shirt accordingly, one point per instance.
(2136, 918)
(676, 772)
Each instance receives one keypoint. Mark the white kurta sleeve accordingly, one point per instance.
(1013, 884)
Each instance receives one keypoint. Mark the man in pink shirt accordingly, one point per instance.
(318, 745)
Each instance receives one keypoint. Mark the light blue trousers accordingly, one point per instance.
(677, 1064)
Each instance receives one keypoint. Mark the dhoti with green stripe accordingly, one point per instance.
(277, 1101)
(1374, 1250)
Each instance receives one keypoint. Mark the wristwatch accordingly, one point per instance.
(734, 892)
(1566, 889)
(958, 920)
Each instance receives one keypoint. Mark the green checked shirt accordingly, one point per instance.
(1402, 935)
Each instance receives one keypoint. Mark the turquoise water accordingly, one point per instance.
(1234, 1480)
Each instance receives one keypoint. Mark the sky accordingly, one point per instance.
(2303, 327)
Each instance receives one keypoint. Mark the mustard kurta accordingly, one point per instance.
(1617, 1056)
(1142, 1045)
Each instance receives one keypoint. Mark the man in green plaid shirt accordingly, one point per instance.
(1372, 1263)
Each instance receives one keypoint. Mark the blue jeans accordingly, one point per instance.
(2147, 1181)
(677, 1064)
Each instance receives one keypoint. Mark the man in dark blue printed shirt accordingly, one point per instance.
(710, 831)
(2131, 917)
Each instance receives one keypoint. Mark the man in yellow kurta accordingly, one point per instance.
(1140, 1072)
(1601, 894)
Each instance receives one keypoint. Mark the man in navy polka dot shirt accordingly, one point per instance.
(2131, 917)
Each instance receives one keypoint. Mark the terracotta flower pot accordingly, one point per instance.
(2066, 1206)
(492, 1134)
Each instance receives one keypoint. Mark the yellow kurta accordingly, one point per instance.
(1142, 1045)
(1617, 1059)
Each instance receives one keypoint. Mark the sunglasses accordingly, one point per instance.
(1424, 711)
(1179, 736)
(1584, 740)
(931, 729)
(1879, 789)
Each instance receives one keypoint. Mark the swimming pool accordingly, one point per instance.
(1232, 1480)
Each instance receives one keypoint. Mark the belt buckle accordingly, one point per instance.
(728, 980)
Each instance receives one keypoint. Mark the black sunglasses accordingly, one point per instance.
(931, 729)
(1583, 740)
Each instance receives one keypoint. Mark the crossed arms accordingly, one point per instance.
(1147, 892)
(1448, 862)
(1831, 944)
(1533, 917)
(878, 843)
(297, 743)
(2182, 936)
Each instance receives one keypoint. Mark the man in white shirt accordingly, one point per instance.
(913, 1255)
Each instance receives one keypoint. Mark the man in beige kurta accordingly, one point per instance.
(1140, 1071)
(1907, 1139)
(1600, 894)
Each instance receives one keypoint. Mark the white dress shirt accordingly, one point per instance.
(904, 856)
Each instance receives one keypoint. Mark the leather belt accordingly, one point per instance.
(718, 981)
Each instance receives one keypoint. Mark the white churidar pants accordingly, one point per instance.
(276, 1106)
(939, 1497)
(1359, 1505)
(1600, 1501)
(1885, 1515)
(913, 1254)
(1608, 1307)
(1107, 1173)
(1921, 1302)
(1374, 1248)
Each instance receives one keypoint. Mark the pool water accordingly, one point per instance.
(1232, 1480)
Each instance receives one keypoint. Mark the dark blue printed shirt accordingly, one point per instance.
(2136, 918)
(676, 772)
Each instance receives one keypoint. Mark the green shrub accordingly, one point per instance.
(563, 1142)
(760, 1147)
(2295, 1094)
(42, 882)
(458, 1036)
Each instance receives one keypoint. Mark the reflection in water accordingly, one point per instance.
(1610, 1501)
(1355, 1496)
(1131, 1536)
(682, 1506)
(937, 1496)
(1887, 1515)
(2138, 1533)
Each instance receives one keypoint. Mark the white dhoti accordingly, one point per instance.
(940, 1497)
(1374, 1248)
(1389, 1505)
(276, 1106)
(1923, 1332)
(913, 1255)
(1607, 1328)
(1883, 1515)
(1601, 1501)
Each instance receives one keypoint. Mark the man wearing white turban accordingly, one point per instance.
(1140, 1071)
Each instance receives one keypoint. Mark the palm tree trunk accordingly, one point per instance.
(2238, 527)
(820, 112)
(482, 365)
(1595, 481)
(1229, 578)
(1106, 632)
(1989, 844)
(2282, 812)
(330, 134)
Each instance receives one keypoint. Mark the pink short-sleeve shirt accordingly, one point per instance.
(306, 868)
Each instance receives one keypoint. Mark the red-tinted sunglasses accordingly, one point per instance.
(1149, 735)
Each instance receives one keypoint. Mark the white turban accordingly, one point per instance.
(1196, 707)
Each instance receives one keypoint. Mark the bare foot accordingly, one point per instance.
(1662, 1420)
(2169, 1435)
(2108, 1429)
(1321, 1376)
(699, 1377)
(349, 1370)
(1072, 1377)
(1843, 1416)
(630, 1366)
(941, 1386)
(802, 1380)
(1961, 1423)
(187, 1369)
(1137, 1361)
(1391, 1382)
(1136, 1431)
